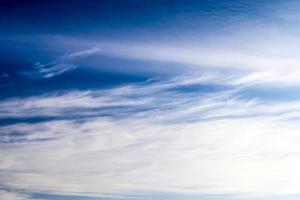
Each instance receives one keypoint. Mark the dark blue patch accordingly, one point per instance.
(111, 19)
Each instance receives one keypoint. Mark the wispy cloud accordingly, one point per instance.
(260, 58)
(81, 54)
(49, 70)
(266, 55)
(58, 66)
(196, 143)
(181, 99)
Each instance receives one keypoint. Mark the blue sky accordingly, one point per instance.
(108, 100)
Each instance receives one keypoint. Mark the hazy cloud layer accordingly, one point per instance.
(211, 143)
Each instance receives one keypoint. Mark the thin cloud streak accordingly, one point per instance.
(49, 70)
(151, 98)
(262, 61)
(58, 66)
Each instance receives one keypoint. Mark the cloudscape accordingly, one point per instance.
(140, 99)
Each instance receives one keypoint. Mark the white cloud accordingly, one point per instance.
(260, 62)
(9, 195)
(81, 54)
(213, 143)
(266, 50)
(266, 56)
(49, 70)
(151, 98)
(238, 157)
(145, 95)
(59, 66)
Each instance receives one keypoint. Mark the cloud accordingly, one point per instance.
(153, 97)
(196, 143)
(265, 55)
(49, 70)
(264, 48)
(10, 195)
(58, 66)
(127, 98)
(248, 52)
(260, 62)
(81, 54)
(237, 157)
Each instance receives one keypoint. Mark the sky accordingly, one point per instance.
(149, 100)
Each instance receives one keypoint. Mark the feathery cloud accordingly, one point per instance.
(213, 143)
